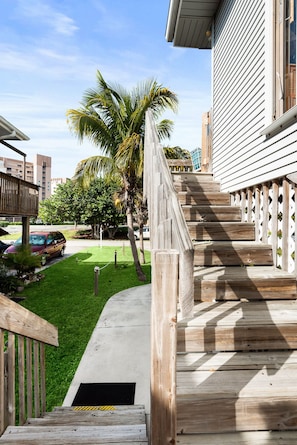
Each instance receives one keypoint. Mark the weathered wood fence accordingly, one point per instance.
(23, 336)
(172, 283)
(17, 197)
(272, 207)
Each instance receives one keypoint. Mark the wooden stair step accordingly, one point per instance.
(239, 326)
(211, 213)
(235, 283)
(221, 231)
(201, 198)
(90, 416)
(241, 438)
(196, 186)
(67, 435)
(232, 253)
(192, 177)
(240, 400)
(236, 361)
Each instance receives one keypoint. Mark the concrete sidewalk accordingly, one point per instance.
(119, 348)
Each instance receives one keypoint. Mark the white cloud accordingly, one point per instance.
(39, 10)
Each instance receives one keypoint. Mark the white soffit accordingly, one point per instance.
(189, 21)
(10, 132)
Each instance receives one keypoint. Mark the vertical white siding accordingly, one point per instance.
(241, 100)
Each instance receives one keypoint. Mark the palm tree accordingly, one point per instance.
(114, 120)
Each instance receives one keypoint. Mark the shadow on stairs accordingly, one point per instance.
(237, 354)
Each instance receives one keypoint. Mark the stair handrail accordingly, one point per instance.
(172, 281)
(168, 228)
(23, 336)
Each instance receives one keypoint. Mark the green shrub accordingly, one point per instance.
(23, 261)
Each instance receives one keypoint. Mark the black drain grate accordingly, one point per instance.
(96, 394)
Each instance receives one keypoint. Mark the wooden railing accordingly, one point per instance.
(180, 165)
(172, 282)
(22, 362)
(272, 207)
(17, 197)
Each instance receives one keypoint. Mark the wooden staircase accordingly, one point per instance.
(237, 355)
(78, 425)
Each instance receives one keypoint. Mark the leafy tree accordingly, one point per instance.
(114, 120)
(176, 153)
(94, 206)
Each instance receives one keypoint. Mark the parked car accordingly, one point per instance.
(146, 233)
(3, 246)
(46, 244)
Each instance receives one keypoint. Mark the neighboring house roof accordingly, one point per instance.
(189, 22)
(9, 131)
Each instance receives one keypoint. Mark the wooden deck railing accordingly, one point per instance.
(17, 197)
(272, 207)
(172, 282)
(22, 362)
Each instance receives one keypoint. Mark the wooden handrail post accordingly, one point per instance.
(163, 346)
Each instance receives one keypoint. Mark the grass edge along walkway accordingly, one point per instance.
(65, 298)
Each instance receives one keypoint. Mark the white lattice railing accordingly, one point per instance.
(272, 207)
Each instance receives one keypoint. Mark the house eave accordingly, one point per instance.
(189, 22)
(10, 132)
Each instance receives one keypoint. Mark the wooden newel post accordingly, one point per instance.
(96, 279)
(163, 346)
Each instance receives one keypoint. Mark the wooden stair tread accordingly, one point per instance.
(236, 273)
(221, 231)
(82, 425)
(230, 384)
(232, 253)
(242, 438)
(239, 326)
(192, 176)
(203, 198)
(237, 283)
(131, 434)
(236, 361)
(247, 314)
(89, 418)
(195, 186)
(211, 213)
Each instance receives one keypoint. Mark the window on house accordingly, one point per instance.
(285, 56)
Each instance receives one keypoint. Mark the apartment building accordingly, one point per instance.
(42, 175)
(57, 181)
(37, 172)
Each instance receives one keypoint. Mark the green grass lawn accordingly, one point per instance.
(65, 297)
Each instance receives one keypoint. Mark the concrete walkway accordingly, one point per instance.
(119, 348)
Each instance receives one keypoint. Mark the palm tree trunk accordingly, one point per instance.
(140, 274)
(141, 244)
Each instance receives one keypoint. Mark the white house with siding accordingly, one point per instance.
(253, 118)
(254, 112)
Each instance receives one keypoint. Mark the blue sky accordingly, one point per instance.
(50, 51)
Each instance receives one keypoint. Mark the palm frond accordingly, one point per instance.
(164, 128)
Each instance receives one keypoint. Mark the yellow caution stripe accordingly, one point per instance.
(94, 408)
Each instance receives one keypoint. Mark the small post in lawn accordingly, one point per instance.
(96, 279)
(115, 258)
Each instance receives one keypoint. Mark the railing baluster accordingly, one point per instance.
(36, 379)
(29, 377)
(42, 379)
(11, 379)
(21, 371)
(285, 225)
